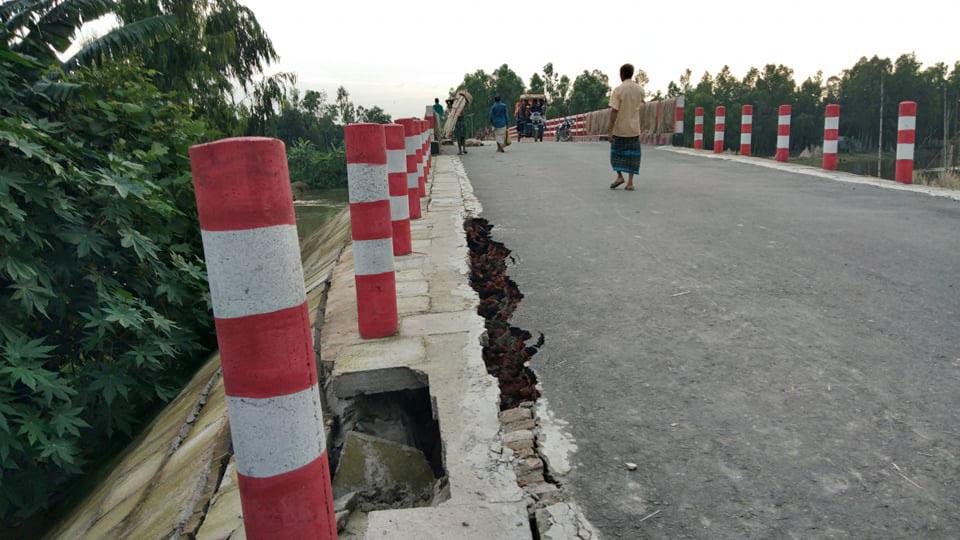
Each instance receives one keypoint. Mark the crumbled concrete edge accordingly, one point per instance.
(836, 176)
(551, 508)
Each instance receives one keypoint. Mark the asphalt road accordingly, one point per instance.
(780, 354)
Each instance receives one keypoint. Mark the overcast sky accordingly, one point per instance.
(401, 54)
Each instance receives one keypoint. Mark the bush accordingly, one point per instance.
(318, 169)
(102, 285)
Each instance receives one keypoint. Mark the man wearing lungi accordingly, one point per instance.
(499, 119)
(624, 133)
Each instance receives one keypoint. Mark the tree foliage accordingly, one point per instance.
(215, 46)
(103, 286)
(590, 92)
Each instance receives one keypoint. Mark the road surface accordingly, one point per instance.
(780, 354)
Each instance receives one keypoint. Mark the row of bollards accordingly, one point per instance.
(252, 252)
(906, 134)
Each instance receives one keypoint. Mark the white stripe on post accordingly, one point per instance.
(253, 271)
(265, 446)
(372, 257)
(369, 182)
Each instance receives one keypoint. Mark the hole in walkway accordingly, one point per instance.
(387, 448)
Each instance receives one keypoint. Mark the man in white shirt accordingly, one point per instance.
(624, 132)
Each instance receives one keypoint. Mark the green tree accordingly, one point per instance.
(216, 45)
(44, 30)
(591, 90)
(346, 110)
(537, 84)
(508, 85)
(373, 115)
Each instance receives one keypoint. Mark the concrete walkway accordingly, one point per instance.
(438, 345)
(777, 352)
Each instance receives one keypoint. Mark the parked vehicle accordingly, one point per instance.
(565, 130)
(536, 126)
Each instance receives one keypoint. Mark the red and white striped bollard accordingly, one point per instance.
(698, 128)
(413, 179)
(906, 138)
(426, 157)
(249, 233)
(678, 117)
(719, 127)
(746, 129)
(831, 133)
(783, 133)
(397, 183)
(421, 179)
(371, 229)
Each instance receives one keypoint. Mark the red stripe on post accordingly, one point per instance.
(907, 136)
(377, 311)
(293, 505)
(368, 144)
(908, 108)
(267, 355)
(402, 241)
(242, 183)
(370, 220)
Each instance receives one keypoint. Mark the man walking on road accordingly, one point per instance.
(499, 118)
(624, 133)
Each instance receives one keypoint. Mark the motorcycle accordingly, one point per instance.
(565, 131)
(536, 126)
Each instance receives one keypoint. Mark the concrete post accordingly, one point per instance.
(371, 229)
(250, 244)
(698, 128)
(413, 179)
(718, 128)
(746, 129)
(906, 137)
(425, 149)
(678, 117)
(421, 178)
(397, 183)
(831, 132)
(783, 133)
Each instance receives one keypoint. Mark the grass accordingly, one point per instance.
(941, 179)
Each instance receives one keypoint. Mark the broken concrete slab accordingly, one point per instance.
(441, 323)
(564, 521)
(409, 305)
(376, 366)
(374, 466)
(470, 522)
(518, 439)
(515, 415)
